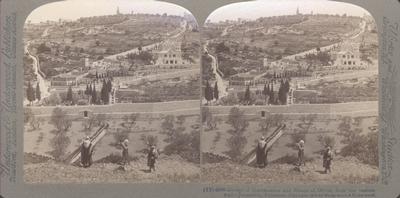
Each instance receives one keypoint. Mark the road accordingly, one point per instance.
(44, 85)
(221, 83)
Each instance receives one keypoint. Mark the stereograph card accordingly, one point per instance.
(212, 98)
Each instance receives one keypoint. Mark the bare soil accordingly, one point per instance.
(169, 169)
(344, 171)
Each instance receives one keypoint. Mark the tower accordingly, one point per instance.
(118, 13)
(297, 11)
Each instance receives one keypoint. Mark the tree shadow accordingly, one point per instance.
(145, 170)
(320, 172)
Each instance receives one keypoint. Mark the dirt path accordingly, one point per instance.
(169, 170)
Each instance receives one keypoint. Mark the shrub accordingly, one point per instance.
(119, 136)
(186, 145)
(364, 148)
(230, 99)
(59, 143)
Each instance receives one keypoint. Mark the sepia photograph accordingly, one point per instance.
(290, 94)
(111, 93)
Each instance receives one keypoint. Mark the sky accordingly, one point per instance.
(74, 9)
(265, 8)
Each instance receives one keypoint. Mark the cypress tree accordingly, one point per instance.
(90, 90)
(87, 90)
(247, 95)
(271, 94)
(109, 86)
(208, 92)
(216, 93)
(94, 95)
(69, 94)
(265, 92)
(38, 94)
(30, 94)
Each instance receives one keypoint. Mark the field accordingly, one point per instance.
(222, 160)
(169, 170)
(353, 90)
(214, 141)
(345, 171)
(40, 161)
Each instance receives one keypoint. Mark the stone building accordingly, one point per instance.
(169, 57)
(349, 57)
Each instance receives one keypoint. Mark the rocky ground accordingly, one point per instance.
(345, 171)
(169, 170)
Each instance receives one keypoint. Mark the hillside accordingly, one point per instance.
(344, 171)
(169, 170)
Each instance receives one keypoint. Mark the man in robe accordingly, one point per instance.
(261, 154)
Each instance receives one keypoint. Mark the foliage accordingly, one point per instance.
(28, 115)
(37, 92)
(69, 98)
(149, 139)
(229, 100)
(216, 92)
(208, 92)
(35, 123)
(53, 100)
(306, 123)
(60, 141)
(129, 121)
(237, 141)
(222, 48)
(93, 121)
(42, 48)
(30, 93)
(208, 118)
(186, 145)
(326, 140)
(143, 56)
(60, 121)
(363, 146)
(270, 120)
(119, 136)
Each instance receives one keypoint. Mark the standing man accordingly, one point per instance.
(261, 155)
(125, 153)
(86, 152)
(327, 159)
(300, 154)
(151, 158)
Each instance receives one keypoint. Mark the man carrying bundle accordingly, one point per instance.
(151, 158)
(327, 159)
(300, 154)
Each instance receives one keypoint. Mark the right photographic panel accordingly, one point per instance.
(290, 94)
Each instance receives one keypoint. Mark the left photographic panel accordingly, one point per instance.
(111, 93)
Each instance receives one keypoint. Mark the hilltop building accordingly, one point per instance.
(118, 12)
(298, 11)
(169, 53)
(349, 57)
